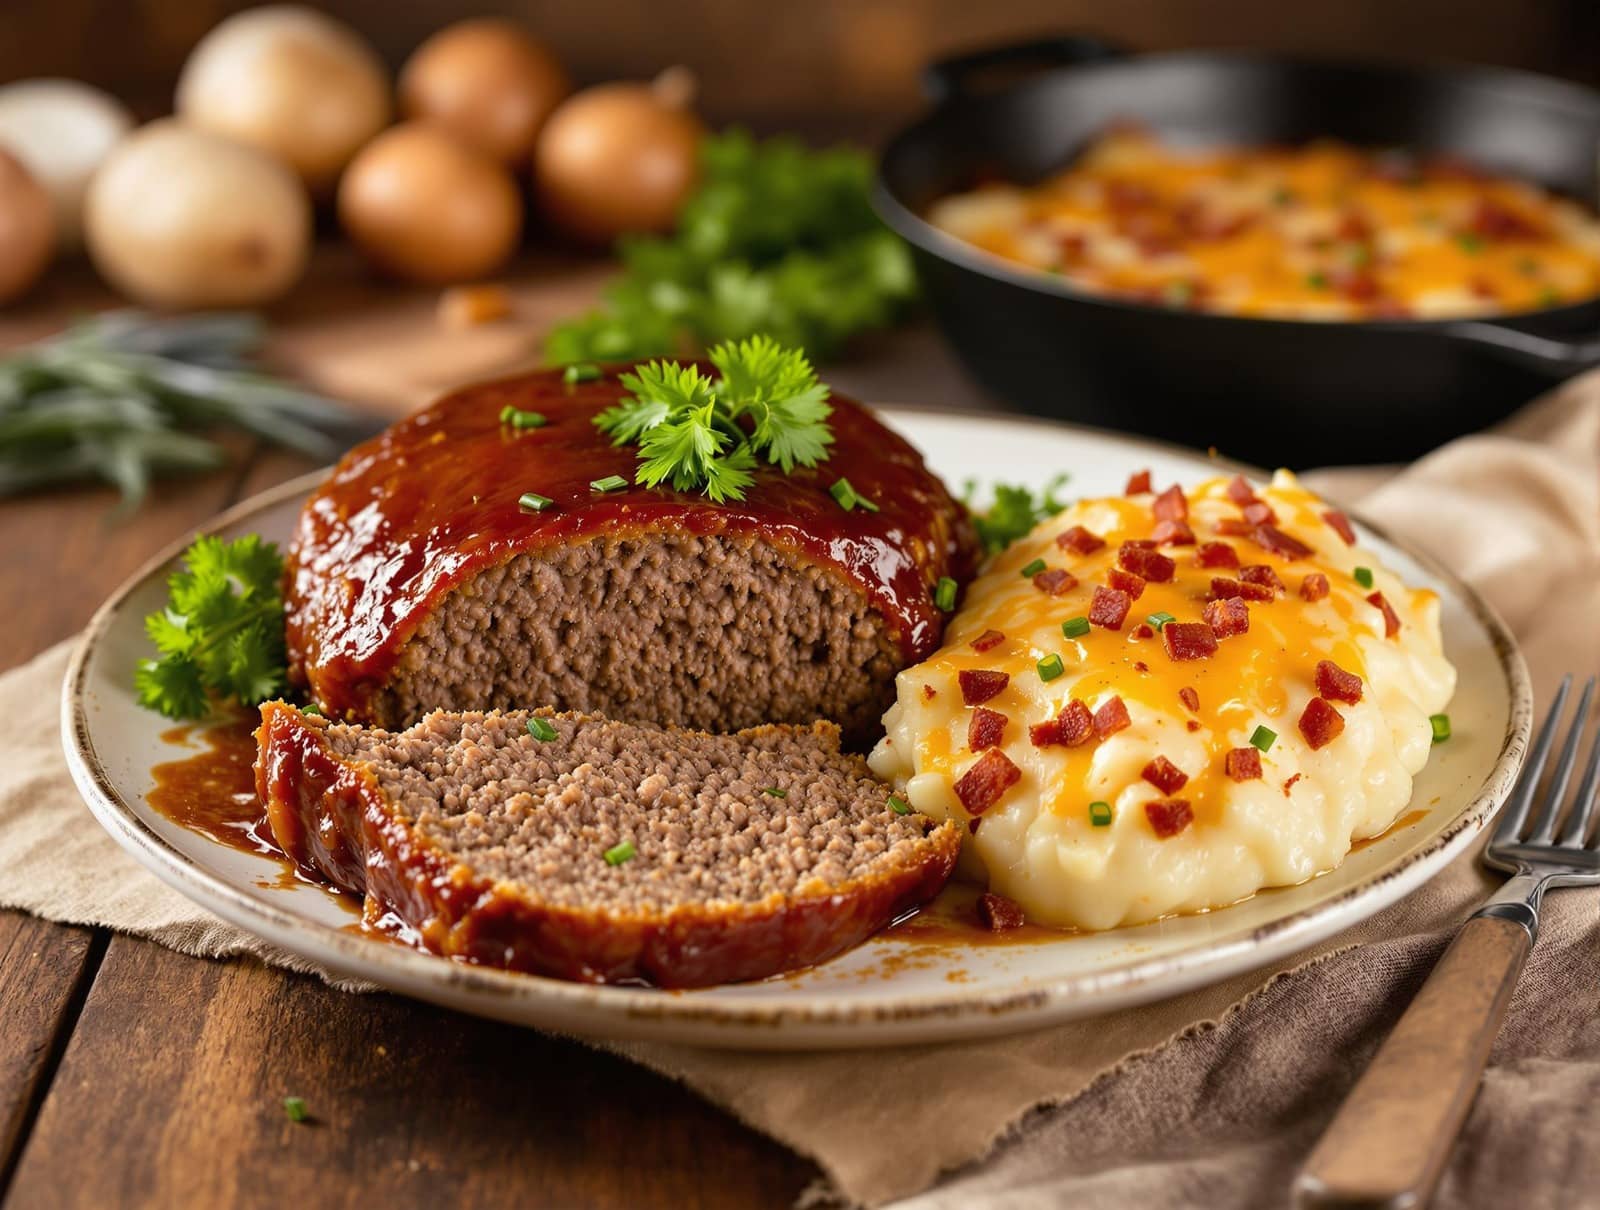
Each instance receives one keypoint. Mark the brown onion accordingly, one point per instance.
(27, 228)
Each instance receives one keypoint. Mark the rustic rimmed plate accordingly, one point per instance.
(888, 991)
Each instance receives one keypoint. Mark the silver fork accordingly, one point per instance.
(1389, 1141)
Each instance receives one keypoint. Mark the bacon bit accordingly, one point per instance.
(1079, 541)
(988, 640)
(1391, 620)
(981, 786)
(1111, 717)
(1068, 729)
(1140, 543)
(1340, 524)
(1109, 608)
(1260, 573)
(1138, 484)
(985, 729)
(1320, 723)
(1168, 816)
(1235, 527)
(1240, 491)
(999, 913)
(1215, 554)
(1337, 685)
(1189, 698)
(1223, 588)
(1173, 533)
(1171, 505)
(1164, 776)
(1145, 561)
(1270, 537)
(972, 825)
(1243, 764)
(1314, 587)
(929, 693)
(1289, 784)
(1228, 617)
(1189, 640)
(1055, 582)
(978, 685)
(1140, 666)
(1259, 512)
(1192, 725)
(1126, 581)
(1494, 221)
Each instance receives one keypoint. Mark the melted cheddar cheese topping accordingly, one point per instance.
(1325, 231)
(1038, 841)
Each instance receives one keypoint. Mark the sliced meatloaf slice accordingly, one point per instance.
(607, 851)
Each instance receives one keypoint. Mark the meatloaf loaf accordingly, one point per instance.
(418, 582)
(573, 846)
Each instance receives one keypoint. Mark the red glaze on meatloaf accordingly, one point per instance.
(416, 513)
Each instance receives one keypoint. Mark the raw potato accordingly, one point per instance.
(620, 158)
(182, 218)
(61, 130)
(424, 207)
(27, 229)
(488, 82)
(291, 81)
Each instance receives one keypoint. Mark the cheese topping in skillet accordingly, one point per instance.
(1160, 703)
(1325, 231)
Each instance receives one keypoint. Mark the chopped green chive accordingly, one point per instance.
(1158, 620)
(1100, 814)
(581, 371)
(1317, 281)
(1033, 569)
(311, 709)
(944, 596)
(518, 419)
(899, 805)
(541, 730)
(1282, 196)
(294, 1108)
(774, 792)
(1549, 298)
(611, 483)
(1363, 576)
(848, 498)
(1441, 727)
(619, 853)
(1263, 738)
(1528, 267)
(1050, 667)
(1178, 293)
(533, 502)
(1469, 243)
(1075, 628)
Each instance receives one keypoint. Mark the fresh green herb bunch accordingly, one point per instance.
(221, 631)
(1012, 512)
(123, 397)
(698, 433)
(776, 239)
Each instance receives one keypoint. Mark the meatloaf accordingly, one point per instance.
(582, 848)
(417, 582)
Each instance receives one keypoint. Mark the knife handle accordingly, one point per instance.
(1388, 1143)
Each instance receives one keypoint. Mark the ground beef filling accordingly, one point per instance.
(711, 633)
(698, 810)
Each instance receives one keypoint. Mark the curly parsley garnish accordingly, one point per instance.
(221, 632)
(698, 433)
(1013, 511)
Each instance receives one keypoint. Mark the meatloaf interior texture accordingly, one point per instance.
(715, 632)
(610, 851)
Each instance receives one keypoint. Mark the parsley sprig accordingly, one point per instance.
(221, 632)
(1013, 511)
(699, 433)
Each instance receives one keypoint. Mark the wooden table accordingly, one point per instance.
(131, 1075)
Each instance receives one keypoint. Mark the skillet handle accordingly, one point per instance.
(1549, 355)
(954, 77)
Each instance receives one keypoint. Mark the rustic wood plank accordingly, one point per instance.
(178, 1069)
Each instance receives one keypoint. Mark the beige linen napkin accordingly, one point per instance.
(1209, 1098)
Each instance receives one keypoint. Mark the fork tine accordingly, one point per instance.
(1544, 827)
(1515, 812)
(1577, 828)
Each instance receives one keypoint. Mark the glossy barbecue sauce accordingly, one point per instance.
(425, 506)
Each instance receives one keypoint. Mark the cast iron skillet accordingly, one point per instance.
(1267, 391)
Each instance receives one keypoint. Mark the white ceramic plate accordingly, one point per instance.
(887, 991)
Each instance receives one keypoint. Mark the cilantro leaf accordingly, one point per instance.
(1013, 511)
(221, 632)
(780, 389)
